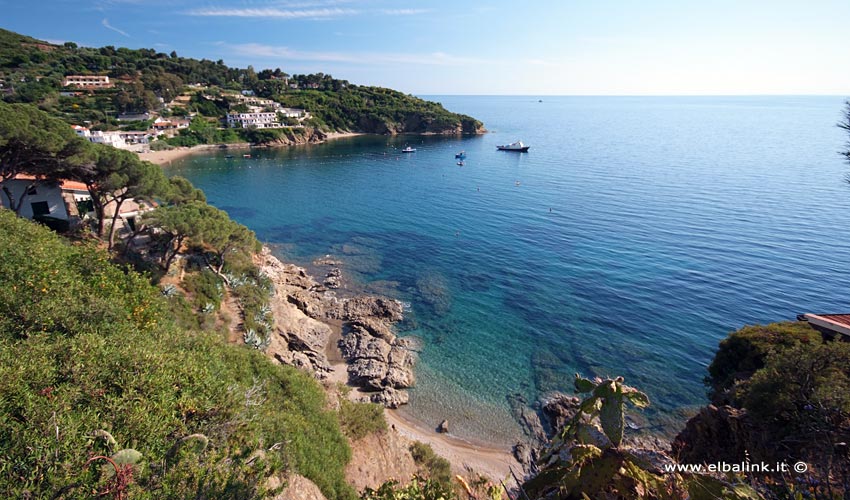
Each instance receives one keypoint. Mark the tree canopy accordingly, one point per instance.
(32, 142)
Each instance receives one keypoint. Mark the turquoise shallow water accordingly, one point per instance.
(632, 237)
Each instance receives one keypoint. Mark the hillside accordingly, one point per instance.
(91, 364)
(33, 71)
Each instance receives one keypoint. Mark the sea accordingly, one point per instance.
(633, 236)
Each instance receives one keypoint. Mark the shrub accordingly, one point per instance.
(437, 467)
(418, 489)
(744, 352)
(206, 288)
(86, 345)
(358, 420)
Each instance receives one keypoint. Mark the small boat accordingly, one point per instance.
(460, 163)
(517, 146)
(461, 155)
(408, 149)
(228, 157)
(246, 156)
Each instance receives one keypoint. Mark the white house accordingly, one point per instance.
(109, 138)
(66, 200)
(87, 81)
(59, 199)
(292, 112)
(253, 120)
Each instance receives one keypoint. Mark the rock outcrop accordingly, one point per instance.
(557, 408)
(297, 488)
(380, 363)
(716, 433)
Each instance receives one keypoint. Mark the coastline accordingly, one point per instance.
(484, 458)
(301, 320)
(166, 157)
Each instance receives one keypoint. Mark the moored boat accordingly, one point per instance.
(408, 149)
(517, 146)
(461, 155)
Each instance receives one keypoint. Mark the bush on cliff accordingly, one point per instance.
(86, 347)
(744, 352)
(788, 392)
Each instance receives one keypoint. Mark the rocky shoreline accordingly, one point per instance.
(320, 331)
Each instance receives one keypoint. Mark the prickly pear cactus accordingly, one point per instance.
(191, 444)
(127, 456)
(612, 419)
(107, 437)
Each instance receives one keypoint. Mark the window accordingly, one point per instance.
(32, 191)
(40, 208)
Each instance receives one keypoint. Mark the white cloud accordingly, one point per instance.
(272, 12)
(404, 12)
(280, 52)
(108, 26)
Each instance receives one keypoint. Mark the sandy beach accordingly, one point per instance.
(166, 157)
(466, 456)
(492, 462)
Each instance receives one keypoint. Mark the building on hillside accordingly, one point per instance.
(162, 124)
(253, 120)
(292, 112)
(81, 131)
(88, 81)
(134, 117)
(113, 139)
(121, 139)
(66, 200)
(132, 137)
(830, 325)
(62, 199)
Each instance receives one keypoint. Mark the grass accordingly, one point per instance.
(436, 467)
(86, 345)
(358, 420)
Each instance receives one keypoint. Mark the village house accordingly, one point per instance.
(134, 117)
(57, 199)
(830, 325)
(116, 139)
(292, 112)
(253, 120)
(163, 124)
(65, 200)
(132, 137)
(88, 81)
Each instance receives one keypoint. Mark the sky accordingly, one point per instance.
(532, 47)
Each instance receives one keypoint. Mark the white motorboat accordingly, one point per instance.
(517, 146)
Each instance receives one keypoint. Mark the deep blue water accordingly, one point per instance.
(633, 236)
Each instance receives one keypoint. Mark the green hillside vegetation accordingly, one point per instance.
(87, 346)
(32, 72)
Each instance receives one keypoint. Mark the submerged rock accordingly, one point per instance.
(557, 409)
(527, 418)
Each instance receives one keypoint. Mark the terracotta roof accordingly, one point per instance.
(65, 183)
(838, 323)
(841, 319)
